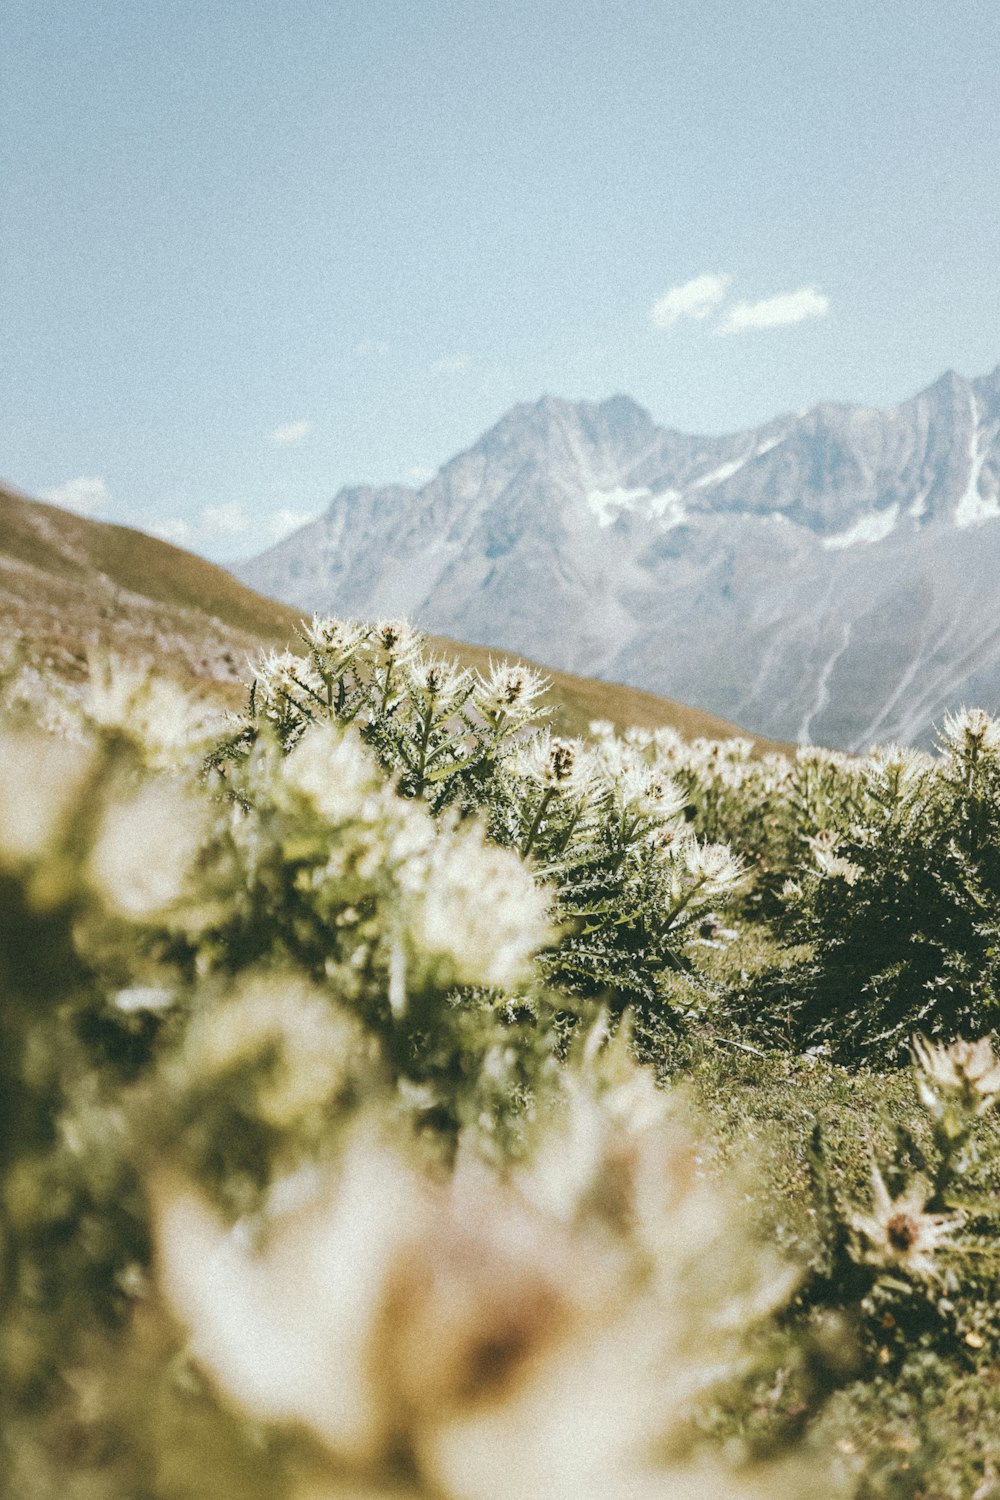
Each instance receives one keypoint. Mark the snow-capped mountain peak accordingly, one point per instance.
(805, 578)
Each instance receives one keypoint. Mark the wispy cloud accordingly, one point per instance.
(290, 433)
(229, 522)
(173, 529)
(223, 522)
(286, 520)
(697, 299)
(85, 496)
(372, 346)
(776, 312)
(450, 364)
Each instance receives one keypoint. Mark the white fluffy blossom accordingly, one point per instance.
(145, 847)
(476, 905)
(534, 1337)
(971, 730)
(333, 769)
(165, 721)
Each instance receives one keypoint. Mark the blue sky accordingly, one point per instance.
(254, 251)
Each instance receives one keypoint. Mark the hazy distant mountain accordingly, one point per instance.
(71, 586)
(830, 576)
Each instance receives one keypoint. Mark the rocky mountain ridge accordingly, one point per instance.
(830, 576)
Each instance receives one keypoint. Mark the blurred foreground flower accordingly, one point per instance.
(538, 1336)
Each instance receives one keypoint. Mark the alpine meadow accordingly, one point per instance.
(500, 750)
(398, 1093)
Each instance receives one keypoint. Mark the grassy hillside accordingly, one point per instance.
(69, 585)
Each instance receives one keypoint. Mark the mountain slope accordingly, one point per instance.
(823, 577)
(70, 585)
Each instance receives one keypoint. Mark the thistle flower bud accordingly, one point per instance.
(971, 731)
(713, 865)
(397, 639)
(513, 689)
(553, 763)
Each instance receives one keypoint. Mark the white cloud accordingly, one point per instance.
(419, 476)
(776, 312)
(286, 520)
(697, 298)
(87, 497)
(217, 528)
(372, 346)
(224, 521)
(173, 529)
(450, 364)
(290, 432)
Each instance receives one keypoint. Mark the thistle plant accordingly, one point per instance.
(898, 904)
(603, 830)
(285, 1122)
(438, 730)
(913, 1263)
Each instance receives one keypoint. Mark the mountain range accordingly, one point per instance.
(829, 577)
(73, 588)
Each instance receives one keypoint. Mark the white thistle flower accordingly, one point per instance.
(899, 1234)
(396, 639)
(899, 766)
(714, 866)
(646, 789)
(668, 743)
(552, 762)
(966, 1074)
(477, 906)
(327, 635)
(971, 730)
(310, 1044)
(439, 679)
(145, 848)
(334, 770)
(167, 723)
(481, 1327)
(510, 689)
(282, 674)
(38, 791)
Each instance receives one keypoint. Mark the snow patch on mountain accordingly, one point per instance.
(866, 529)
(973, 507)
(607, 504)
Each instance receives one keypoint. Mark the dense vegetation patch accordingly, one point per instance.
(328, 1165)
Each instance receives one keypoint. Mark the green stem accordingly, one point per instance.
(543, 803)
